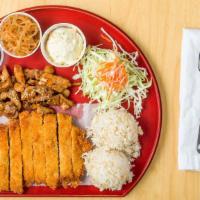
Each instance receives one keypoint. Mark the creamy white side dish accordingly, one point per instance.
(64, 45)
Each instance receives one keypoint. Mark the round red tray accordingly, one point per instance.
(150, 119)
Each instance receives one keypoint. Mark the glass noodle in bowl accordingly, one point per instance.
(21, 29)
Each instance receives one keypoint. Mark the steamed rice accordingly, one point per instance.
(108, 169)
(116, 129)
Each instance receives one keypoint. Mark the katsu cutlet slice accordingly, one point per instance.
(27, 150)
(77, 160)
(38, 148)
(16, 177)
(4, 159)
(83, 141)
(51, 150)
(65, 148)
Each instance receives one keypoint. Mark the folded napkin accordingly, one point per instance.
(188, 157)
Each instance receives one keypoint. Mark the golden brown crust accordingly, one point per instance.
(38, 148)
(51, 150)
(16, 182)
(77, 160)
(84, 143)
(27, 151)
(65, 145)
(4, 159)
(34, 154)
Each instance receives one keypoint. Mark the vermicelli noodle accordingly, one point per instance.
(19, 35)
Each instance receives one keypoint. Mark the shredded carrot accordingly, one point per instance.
(113, 75)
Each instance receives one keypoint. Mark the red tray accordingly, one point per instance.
(150, 119)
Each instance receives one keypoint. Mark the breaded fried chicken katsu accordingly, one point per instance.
(41, 148)
(38, 146)
(49, 129)
(16, 176)
(4, 159)
(27, 147)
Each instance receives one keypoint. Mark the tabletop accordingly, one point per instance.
(156, 26)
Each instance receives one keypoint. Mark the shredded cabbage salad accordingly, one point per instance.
(112, 77)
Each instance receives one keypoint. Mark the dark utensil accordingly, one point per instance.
(199, 63)
(198, 141)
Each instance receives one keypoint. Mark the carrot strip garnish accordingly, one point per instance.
(113, 75)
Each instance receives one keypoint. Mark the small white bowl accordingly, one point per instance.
(46, 35)
(1, 56)
(30, 16)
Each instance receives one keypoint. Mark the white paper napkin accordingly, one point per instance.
(188, 157)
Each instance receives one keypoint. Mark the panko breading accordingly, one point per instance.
(4, 159)
(27, 150)
(51, 150)
(80, 145)
(16, 176)
(65, 148)
(72, 145)
(77, 160)
(38, 148)
(44, 148)
(84, 143)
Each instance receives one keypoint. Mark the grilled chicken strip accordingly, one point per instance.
(19, 74)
